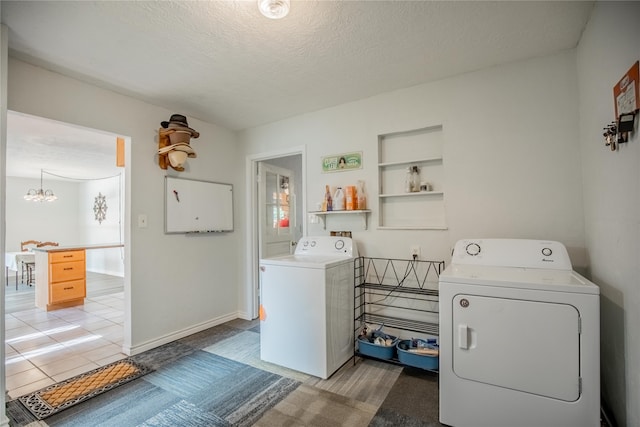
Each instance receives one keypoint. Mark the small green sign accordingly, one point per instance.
(342, 162)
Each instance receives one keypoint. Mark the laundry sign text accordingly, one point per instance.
(342, 162)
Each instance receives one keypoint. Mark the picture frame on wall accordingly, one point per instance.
(342, 162)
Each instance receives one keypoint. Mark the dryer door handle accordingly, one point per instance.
(463, 337)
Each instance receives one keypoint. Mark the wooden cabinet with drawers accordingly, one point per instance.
(63, 282)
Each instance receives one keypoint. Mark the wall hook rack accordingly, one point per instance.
(617, 132)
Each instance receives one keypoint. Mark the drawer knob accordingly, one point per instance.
(68, 289)
(68, 268)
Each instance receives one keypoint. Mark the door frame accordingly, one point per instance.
(252, 242)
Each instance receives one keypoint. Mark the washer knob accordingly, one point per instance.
(473, 249)
(547, 251)
(313, 243)
(339, 244)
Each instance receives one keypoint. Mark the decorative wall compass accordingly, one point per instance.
(100, 208)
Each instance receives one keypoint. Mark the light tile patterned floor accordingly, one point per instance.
(43, 348)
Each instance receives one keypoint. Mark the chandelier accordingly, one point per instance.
(40, 195)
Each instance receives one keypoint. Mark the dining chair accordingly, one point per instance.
(31, 266)
(28, 267)
(42, 244)
(24, 246)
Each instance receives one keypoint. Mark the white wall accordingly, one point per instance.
(176, 284)
(106, 261)
(609, 46)
(43, 221)
(511, 155)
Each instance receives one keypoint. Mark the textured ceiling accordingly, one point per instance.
(60, 149)
(224, 63)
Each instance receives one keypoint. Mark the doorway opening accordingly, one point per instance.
(79, 165)
(277, 196)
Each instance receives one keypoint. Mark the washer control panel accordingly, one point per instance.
(512, 253)
(473, 249)
(327, 245)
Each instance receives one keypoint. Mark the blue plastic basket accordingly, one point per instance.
(378, 351)
(423, 361)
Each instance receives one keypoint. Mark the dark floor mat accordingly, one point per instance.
(62, 395)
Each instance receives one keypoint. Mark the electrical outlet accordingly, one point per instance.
(415, 251)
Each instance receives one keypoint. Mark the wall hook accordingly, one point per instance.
(610, 135)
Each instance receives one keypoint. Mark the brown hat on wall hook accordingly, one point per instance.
(173, 142)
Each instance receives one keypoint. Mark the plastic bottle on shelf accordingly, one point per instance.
(408, 180)
(328, 199)
(350, 199)
(361, 196)
(415, 179)
(338, 200)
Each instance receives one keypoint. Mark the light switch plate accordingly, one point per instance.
(142, 221)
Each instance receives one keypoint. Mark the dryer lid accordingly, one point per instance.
(517, 277)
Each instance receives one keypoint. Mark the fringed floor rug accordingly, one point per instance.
(56, 397)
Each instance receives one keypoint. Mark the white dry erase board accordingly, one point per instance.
(193, 206)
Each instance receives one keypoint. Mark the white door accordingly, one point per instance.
(277, 211)
(529, 346)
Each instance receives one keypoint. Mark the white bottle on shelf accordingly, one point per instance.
(415, 179)
(338, 200)
(361, 196)
(408, 181)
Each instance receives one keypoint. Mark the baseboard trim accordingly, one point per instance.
(165, 339)
(244, 315)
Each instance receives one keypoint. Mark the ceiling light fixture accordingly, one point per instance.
(40, 195)
(274, 9)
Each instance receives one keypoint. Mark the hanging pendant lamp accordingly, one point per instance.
(40, 195)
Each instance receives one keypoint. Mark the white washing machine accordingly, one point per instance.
(519, 337)
(306, 306)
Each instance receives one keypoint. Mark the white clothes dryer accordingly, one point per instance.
(306, 306)
(519, 337)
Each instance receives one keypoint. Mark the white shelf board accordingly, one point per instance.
(413, 194)
(356, 211)
(323, 215)
(413, 227)
(410, 162)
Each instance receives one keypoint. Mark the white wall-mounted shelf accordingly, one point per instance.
(414, 194)
(415, 227)
(397, 152)
(323, 215)
(411, 162)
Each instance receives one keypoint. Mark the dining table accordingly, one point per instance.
(15, 261)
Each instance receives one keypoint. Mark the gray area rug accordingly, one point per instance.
(199, 389)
